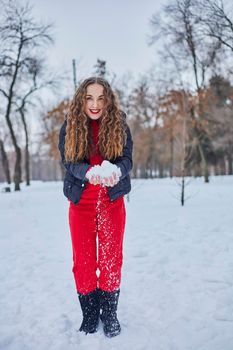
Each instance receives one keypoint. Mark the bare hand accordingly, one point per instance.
(110, 181)
(94, 179)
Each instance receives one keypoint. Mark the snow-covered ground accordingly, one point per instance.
(177, 280)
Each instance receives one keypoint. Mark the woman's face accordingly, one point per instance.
(94, 101)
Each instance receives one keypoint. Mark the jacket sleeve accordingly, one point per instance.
(125, 162)
(77, 169)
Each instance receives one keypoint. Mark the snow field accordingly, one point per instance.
(177, 276)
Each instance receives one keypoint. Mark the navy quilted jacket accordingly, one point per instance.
(74, 181)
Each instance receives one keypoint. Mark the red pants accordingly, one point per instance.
(95, 216)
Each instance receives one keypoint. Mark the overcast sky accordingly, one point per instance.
(112, 30)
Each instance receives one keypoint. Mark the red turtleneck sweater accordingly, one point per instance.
(92, 191)
(96, 157)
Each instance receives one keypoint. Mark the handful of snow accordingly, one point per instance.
(106, 169)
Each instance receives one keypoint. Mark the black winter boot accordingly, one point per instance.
(91, 311)
(108, 305)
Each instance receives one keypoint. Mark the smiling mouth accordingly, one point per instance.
(95, 111)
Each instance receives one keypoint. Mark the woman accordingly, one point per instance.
(96, 149)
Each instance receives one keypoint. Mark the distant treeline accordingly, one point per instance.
(180, 112)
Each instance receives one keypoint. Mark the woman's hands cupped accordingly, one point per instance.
(110, 181)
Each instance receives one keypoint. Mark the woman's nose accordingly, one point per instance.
(95, 103)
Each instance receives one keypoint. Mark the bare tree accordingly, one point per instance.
(143, 111)
(51, 124)
(36, 80)
(100, 68)
(5, 162)
(3, 153)
(180, 29)
(123, 86)
(216, 17)
(22, 40)
(219, 110)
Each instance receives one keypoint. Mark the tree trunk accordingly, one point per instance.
(17, 174)
(161, 170)
(17, 170)
(27, 166)
(27, 155)
(230, 164)
(182, 189)
(216, 173)
(197, 171)
(150, 172)
(171, 144)
(143, 174)
(222, 165)
(205, 170)
(134, 172)
(5, 163)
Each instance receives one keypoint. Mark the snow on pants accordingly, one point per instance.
(97, 229)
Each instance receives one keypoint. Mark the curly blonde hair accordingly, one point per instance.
(112, 125)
